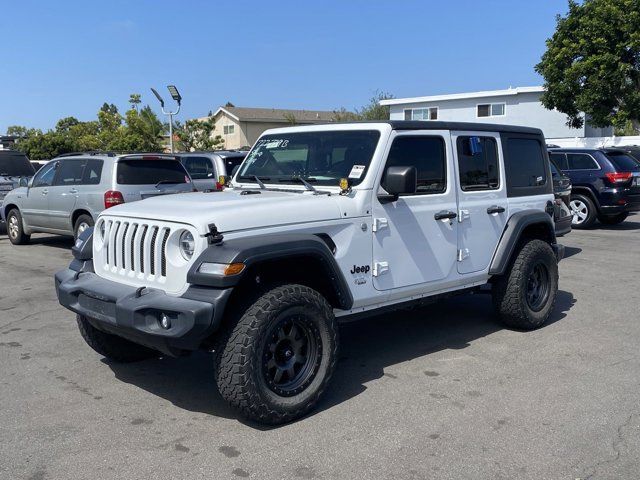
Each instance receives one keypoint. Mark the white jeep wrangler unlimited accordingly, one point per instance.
(319, 223)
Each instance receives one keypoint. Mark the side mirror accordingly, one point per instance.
(399, 181)
(24, 182)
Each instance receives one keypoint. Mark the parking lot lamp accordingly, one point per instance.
(173, 91)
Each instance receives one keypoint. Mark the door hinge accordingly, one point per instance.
(463, 215)
(463, 253)
(379, 224)
(380, 268)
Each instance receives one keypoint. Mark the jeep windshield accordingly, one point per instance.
(321, 158)
(15, 165)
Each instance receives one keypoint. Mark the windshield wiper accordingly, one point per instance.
(257, 179)
(166, 182)
(302, 180)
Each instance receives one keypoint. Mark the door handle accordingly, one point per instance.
(495, 209)
(44, 192)
(445, 215)
(73, 191)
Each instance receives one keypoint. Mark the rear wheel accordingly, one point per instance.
(82, 223)
(525, 295)
(15, 229)
(276, 361)
(583, 211)
(613, 219)
(111, 346)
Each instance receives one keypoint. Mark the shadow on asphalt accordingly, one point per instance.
(368, 347)
(627, 225)
(55, 241)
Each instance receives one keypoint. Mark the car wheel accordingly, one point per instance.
(111, 346)
(524, 297)
(583, 211)
(82, 223)
(15, 228)
(613, 219)
(276, 361)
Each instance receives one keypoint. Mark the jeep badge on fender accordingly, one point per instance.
(291, 258)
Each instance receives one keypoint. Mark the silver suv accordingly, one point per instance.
(66, 195)
(206, 168)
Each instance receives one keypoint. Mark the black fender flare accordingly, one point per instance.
(516, 224)
(256, 249)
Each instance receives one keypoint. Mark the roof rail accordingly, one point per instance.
(93, 152)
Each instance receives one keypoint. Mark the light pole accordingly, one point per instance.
(173, 91)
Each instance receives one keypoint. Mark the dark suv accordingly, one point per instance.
(13, 166)
(606, 184)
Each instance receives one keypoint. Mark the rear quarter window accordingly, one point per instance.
(623, 162)
(527, 165)
(150, 172)
(15, 164)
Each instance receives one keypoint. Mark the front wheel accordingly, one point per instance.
(613, 219)
(82, 223)
(525, 295)
(15, 229)
(276, 361)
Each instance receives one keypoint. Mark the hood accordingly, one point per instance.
(231, 211)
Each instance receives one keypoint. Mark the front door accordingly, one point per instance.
(35, 209)
(482, 199)
(415, 237)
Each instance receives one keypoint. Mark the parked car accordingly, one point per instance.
(632, 150)
(322, 221)
(562, 215)
(13, 167)
(66, 195)
(206, 168)
(605, 184)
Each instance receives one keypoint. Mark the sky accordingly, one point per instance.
(66, 58)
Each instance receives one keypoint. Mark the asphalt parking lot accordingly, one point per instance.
(442, 392)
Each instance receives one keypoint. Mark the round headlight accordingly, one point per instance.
(187, 245)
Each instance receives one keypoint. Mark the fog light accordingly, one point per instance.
(165, 321)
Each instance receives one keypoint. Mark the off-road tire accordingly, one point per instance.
(111, 346)
(613, 219)
(15, 231)
(591, 211)
(240, 361)
(510, 291)
(82, 219)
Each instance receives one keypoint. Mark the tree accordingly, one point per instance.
(198, 135)
(65, 124)
(371, 111)
(135, 99)
(290, 118)
(592, 64)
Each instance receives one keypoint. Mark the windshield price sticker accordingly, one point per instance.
(356, 171)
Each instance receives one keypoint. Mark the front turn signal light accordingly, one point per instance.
(221, 269)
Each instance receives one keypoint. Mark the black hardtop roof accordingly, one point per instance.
(12, 152)
(479, 127)
(582, 149)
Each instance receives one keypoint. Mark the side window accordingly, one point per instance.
(199, 168)
(581, 161)
(92, 172)
(44, 177)
(427, 154)
(527, 163)
(69, 172)
(478, 163)
(560, 159)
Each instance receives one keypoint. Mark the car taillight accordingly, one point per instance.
(619, 177)
(112, 198)
(219, 186)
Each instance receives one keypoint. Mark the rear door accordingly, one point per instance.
(143, 177)
(63, 195)
(483, 208)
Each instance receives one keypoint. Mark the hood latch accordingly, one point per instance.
(214, 237)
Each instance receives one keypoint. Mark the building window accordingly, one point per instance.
(491, 110)
(229, 129)
(430, 113)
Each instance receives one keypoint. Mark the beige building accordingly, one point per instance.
(241, 127)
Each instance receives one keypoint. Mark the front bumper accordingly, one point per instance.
(134, 313)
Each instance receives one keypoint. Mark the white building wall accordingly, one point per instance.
(523, 109)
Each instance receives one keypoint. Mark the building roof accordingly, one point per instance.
(461, 96)
(245, 114)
